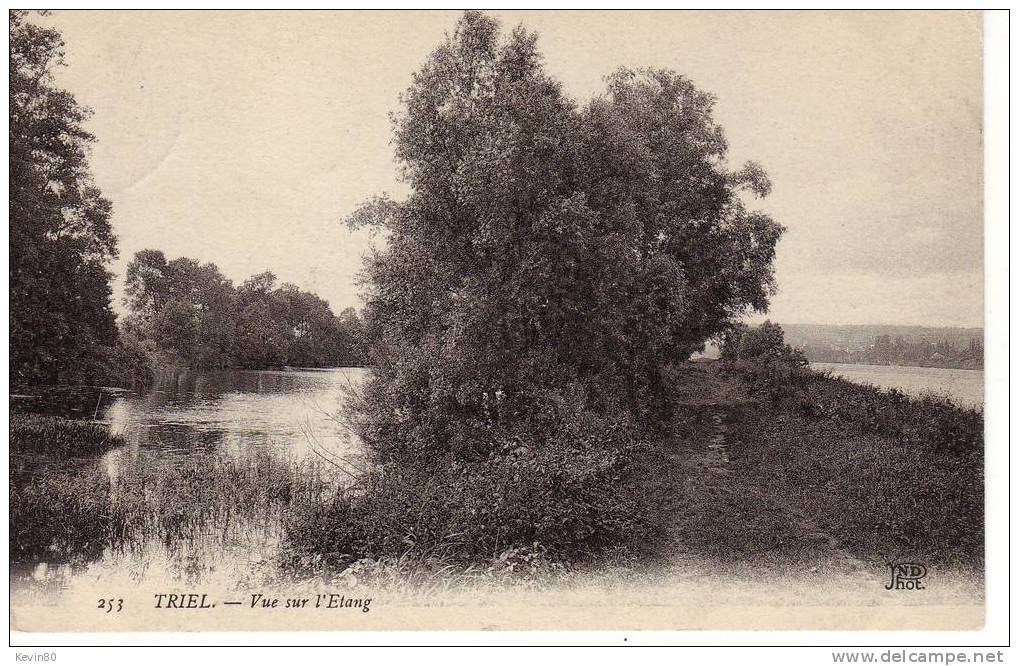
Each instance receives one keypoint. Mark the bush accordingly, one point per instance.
(477, 486)
(777, 371)
(129, 363)
(760, 355)
(932, 423)
(564, 495)
(59, 436)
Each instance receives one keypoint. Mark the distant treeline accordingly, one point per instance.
(182, 313)
(916, 346)
(188, 314)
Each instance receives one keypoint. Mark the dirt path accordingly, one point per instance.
(722, 520)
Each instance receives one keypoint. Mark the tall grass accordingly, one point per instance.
(60, 516)
(60, 437)
(75, 515)
(184, 501)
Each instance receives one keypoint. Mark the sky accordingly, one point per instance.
(245, 138)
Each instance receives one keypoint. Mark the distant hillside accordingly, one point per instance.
(934, 347)
(944, 347)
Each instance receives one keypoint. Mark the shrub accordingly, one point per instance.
(760, 355)
(566, 497)
(555, 481)
(932, 423)
(129, 363)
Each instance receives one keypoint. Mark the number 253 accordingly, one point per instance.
(111, 605)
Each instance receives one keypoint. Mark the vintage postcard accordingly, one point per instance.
(496, 320)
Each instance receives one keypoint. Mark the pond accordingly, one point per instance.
(965, 387)
(193, 419)
(236, 412)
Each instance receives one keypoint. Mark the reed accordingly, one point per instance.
(60, 436)
(75, 514)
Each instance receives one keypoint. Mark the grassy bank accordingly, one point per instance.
(811, 462)
(889, 476)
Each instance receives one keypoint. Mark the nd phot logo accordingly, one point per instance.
(906, 576)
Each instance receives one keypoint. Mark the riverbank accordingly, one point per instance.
(814, 474)
(829, 479)
(869, 476)
(68, 509)
(963, 387)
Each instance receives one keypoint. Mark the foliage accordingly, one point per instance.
(59, 436)
(774, 369)
(60, 240)
(549, 262)
(888, 475)
(181, 501)
(73, 515)
(928, 423)
(546, 245)
(760, 355)
(60, 516)
(193, 312)
(743, 343)
(183, 306)
(528, 502)
(58, 513)
(130, 362)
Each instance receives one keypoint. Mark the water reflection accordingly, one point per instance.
(194, 418)
(233, 412)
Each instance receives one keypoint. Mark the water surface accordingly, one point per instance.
(295, 412)
(965, 387)
(198, 417)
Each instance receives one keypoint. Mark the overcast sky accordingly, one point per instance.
(244, 139)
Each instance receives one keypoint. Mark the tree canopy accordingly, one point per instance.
(549, 252)
(60, 236)
(192, 311)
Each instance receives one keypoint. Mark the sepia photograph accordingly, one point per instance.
(502, 320)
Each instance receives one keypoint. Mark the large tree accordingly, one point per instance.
(548, 254)
(60, 236)
(262, 337)
(311, 326)
(185, 307)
